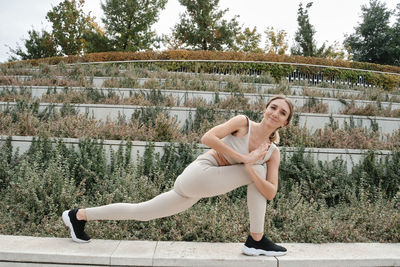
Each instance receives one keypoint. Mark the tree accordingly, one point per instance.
(69, 23)
(248, 41)
(395, 47)
(96, 39)
(335, 51)
(202, 26)
(171, 42)
(38, 45)
(373, 39)
(276, 42)
(128, 22)
(304, 37)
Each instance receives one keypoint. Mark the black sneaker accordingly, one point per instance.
(77, 226)
(262, 247)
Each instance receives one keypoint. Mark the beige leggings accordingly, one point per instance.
(202, 178)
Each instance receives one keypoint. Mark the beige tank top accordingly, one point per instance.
(241, 145)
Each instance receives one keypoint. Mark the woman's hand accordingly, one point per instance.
(256, 155)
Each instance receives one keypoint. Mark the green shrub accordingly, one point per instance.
(324, 181)
(315, 203)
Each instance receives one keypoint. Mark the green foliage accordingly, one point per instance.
(322, 181)
(304, 37)
(147, 116)
(96, 39)
(305, 33)
(37, 45)
(202, 26)
(378, 174)
(276, 42)
(69, 24)
(374, 40)
(7, 161)
(248, 41)
(128, 23)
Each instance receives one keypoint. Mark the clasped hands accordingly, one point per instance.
(256, 155)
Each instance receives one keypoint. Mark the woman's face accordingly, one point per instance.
(277, 113)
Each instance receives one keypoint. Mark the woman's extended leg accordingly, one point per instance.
(166, 204)
(163, 205)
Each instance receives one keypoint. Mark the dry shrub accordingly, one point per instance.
(166, 129)
(6, 80)
(55, 81)
(15, 97)
(357, 138)
(137, 99)
(370, 110)
(352, 138)
(152, 84)
(393, 139)
(197, 102)
(170, 101)
(112, 83)
(72, 96)
(307, 91)
(318, 107)
(235, 101)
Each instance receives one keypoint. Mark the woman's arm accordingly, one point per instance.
(213, 137)
(268, 187)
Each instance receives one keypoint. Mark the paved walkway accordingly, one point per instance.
(38, 251)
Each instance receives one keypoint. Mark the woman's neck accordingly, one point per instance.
(263, 130)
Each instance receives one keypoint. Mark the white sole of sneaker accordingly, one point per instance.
(68, 223)
(257, 252)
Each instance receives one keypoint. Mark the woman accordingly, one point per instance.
(239, 149)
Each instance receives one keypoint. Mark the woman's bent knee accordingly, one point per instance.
(260, 170)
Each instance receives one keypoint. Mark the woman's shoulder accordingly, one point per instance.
(239, 121)
(276, 154)
(241, 118)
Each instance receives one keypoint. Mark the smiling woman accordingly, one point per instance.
(242, 153)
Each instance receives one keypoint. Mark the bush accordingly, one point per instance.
(324, 181)
(315, 203)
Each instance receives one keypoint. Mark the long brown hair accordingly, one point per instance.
(274, 137)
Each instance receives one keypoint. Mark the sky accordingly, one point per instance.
(332, 19)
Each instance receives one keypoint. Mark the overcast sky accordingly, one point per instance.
(332, 19)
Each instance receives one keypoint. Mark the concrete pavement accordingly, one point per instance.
(39, 251)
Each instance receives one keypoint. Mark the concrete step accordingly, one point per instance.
(46, 251)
